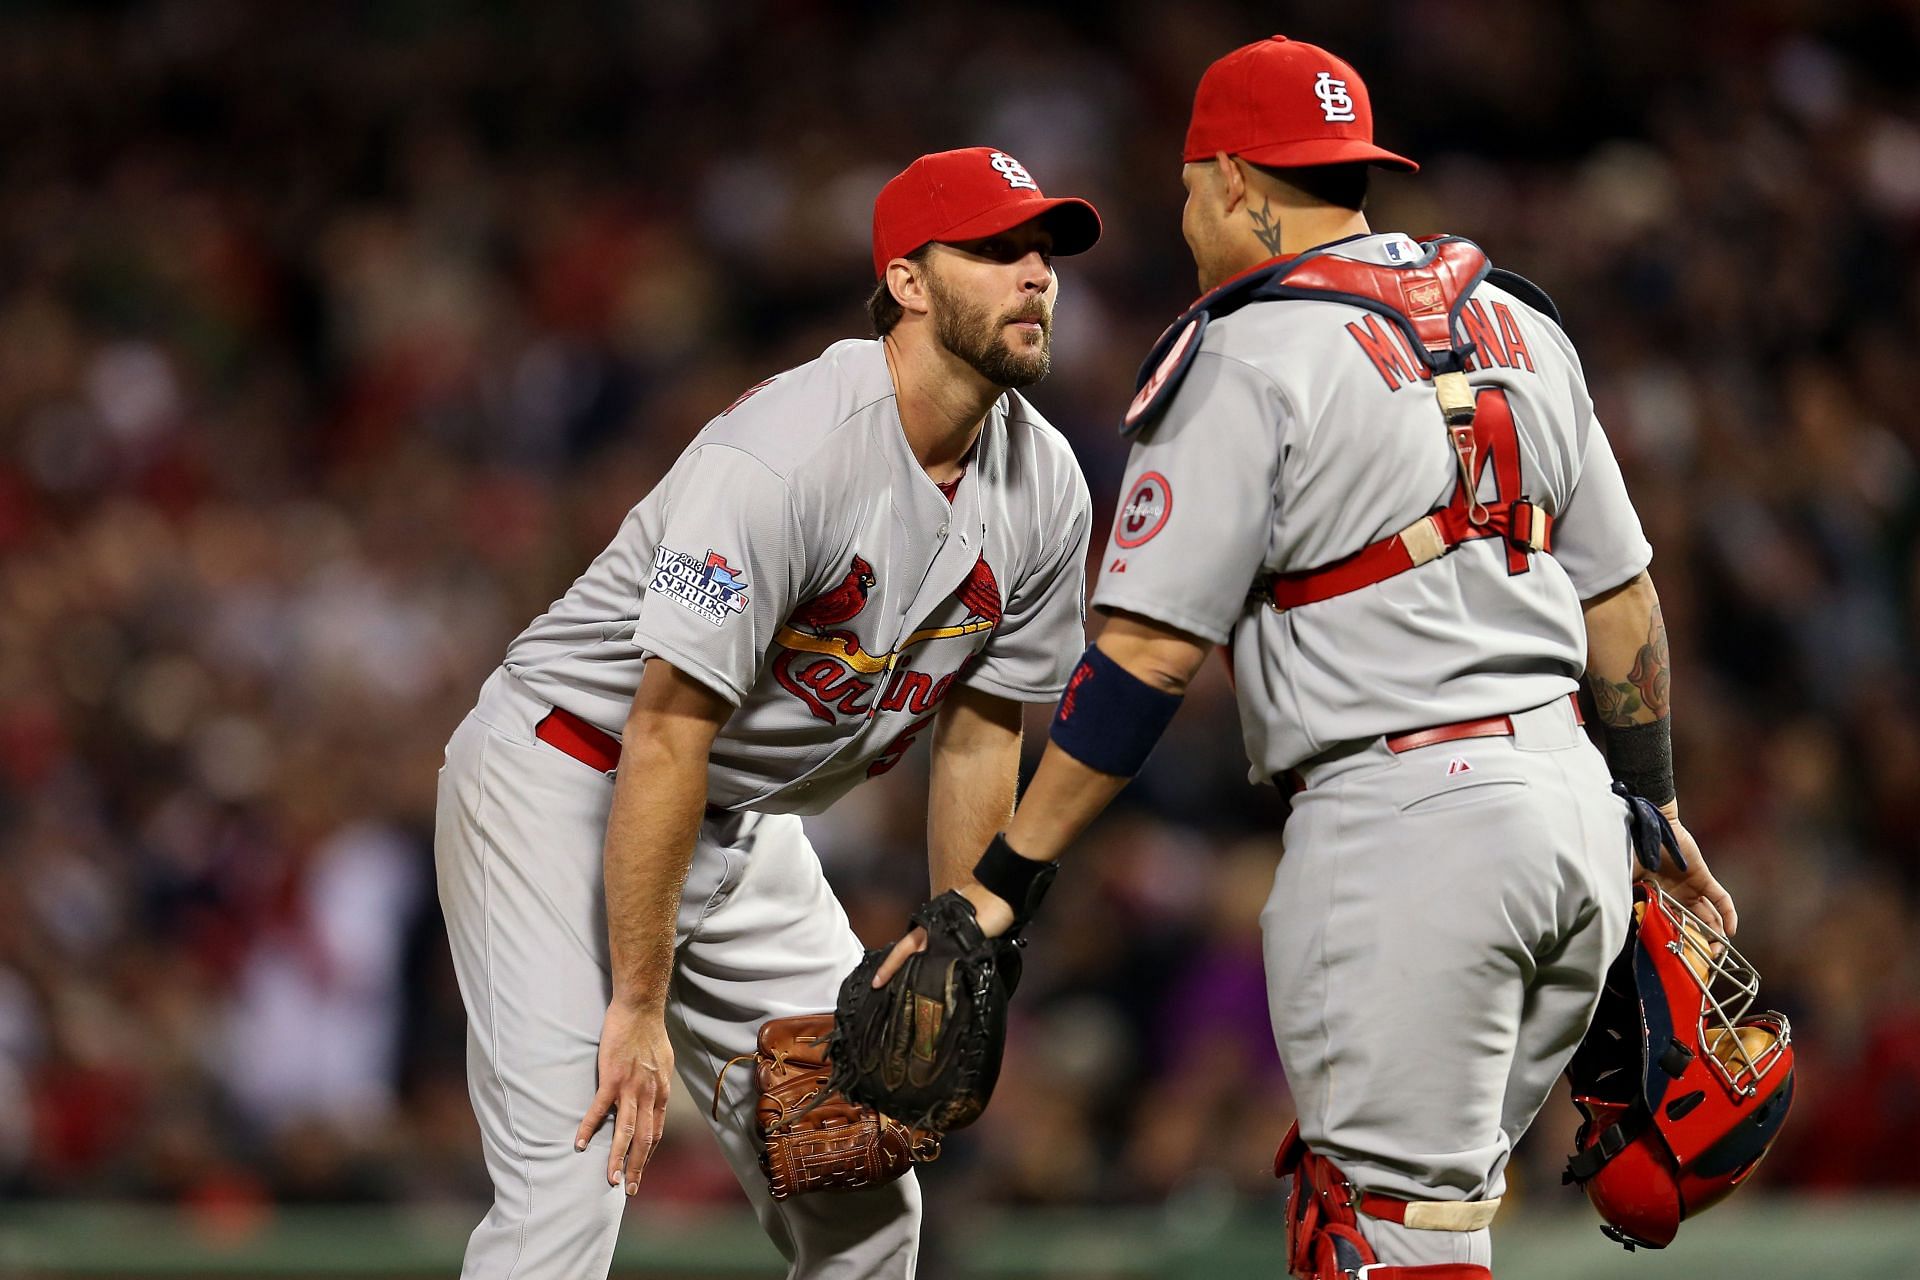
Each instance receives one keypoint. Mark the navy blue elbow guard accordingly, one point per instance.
(1109, 718)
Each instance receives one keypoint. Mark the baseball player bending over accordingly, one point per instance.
(885, 543)
(1374, 474)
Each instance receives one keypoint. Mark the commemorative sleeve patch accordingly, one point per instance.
(707, 586)
(1144, 512)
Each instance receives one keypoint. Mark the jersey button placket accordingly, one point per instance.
(886, 678)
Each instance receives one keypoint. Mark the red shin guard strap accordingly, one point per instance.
(1322, 1213)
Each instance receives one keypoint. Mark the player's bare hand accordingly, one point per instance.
(1696, 888)
(993, 912)
(636, 1070)
(915, 940)
(990, 909)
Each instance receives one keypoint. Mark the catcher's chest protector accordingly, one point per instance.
(1683, 1093)
(1425, 301)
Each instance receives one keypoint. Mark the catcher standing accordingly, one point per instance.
(885, 543)
(1369, 467)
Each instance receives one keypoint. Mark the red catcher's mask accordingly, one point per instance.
(1683, 1093)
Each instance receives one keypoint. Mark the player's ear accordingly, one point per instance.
(907, 281)
(1230, 180)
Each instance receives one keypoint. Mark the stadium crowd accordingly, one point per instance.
(335, 339)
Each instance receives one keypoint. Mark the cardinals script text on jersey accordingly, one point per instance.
(825, 664)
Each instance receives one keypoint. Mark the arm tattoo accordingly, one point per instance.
(1266, 226)
(1652, 670)
(1643, 696)
(1614, 700)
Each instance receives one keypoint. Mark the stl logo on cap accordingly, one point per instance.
(955, 196)
(1334, 99)
(1013, 171)
(1287, 104)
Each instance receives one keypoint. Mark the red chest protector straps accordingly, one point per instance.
(1523, 523)
(1423, 300)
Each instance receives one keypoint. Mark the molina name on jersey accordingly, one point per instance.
(1288, 435)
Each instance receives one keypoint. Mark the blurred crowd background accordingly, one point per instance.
(335, 339)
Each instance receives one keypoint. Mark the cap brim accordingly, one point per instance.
(1318, 151)
(1075, 224)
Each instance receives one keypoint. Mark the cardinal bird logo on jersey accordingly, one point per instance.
(840, 604)
(824, 665)
(981, 594)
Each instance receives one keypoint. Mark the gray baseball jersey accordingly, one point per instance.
(798, 560)
(1302, 434)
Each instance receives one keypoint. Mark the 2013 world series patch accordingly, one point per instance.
(709, 586)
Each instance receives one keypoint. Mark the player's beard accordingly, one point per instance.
(977, 335)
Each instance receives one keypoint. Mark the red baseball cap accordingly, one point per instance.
(966, 194)
(1287, 104)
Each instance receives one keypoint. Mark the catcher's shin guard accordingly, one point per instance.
(1323, 1222)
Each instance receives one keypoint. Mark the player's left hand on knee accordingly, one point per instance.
(635, 1073)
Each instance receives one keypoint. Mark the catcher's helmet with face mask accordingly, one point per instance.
(1683, 1092)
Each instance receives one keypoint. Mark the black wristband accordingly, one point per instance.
(1023, 882)
(1641, 755)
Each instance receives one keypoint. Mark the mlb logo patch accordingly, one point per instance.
(1457, 765)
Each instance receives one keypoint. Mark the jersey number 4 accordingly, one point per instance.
(1494, 443)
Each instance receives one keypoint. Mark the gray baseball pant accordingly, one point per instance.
(1438, 931)
(517, 846)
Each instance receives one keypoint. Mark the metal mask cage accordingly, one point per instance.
(1728, 987)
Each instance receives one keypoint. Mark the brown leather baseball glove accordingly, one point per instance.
(810, 1142)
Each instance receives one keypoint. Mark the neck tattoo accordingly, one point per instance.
(1265, 226)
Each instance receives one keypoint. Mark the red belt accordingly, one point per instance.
(589, 744)
(585, 742)
(1490, 727)
(1399, 743)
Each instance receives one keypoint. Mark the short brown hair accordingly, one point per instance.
(883, 309)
